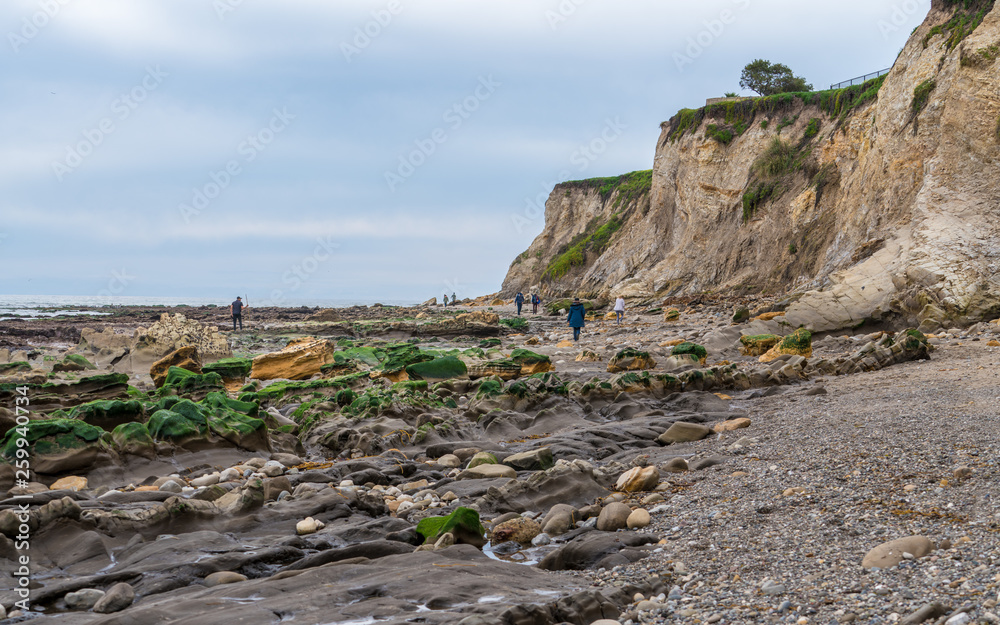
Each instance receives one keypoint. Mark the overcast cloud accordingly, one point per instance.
(352, 149)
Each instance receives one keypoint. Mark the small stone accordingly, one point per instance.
(676, 465)
(614, 516)
(206, 480)
(638, 479)
(683, 432)
(308, 525)
(273, 468)
(449, 460)
(962, 473)
(171, 486)
(959, 619)
(888, 555)
(224, 577)
(83, 599)
(772, 588)
(117, 598)
(731, 425)
(638, 519)
(73, 483)
(541, 540)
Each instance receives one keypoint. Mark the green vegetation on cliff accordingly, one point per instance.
(593, 239)
(739, 115)
(968, 16)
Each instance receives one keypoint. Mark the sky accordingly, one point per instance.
(345, 149)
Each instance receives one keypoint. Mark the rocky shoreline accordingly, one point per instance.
(465, 465)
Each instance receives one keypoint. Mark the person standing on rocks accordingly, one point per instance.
(519, 301)
(619, 309)
(535, 301)
(454, 299)
(577, 313)
(236, 310)
(445, 300)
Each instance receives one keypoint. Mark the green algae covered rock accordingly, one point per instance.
(133, 438)
(230, 369)
(463, 524)
(438, 370)
(758, 344)
(183, 382)
(690, 348)
(55, 445)
(109, 413)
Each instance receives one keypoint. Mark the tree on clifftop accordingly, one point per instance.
(766, 78)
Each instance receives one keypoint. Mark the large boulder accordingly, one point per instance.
(531, 363)
(134, 439)
(798, 343)
(438, 370)
(216, 421)
(630, 359)
(683, 432)
(231, 370)
(184, 357)
(109, 413)
(57, 445)
(888, 555)
(172, 332)
(301, 359)
(758, 344)
(692, 349)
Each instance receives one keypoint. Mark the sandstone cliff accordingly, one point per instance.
(879, 202)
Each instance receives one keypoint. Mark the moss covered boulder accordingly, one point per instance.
(216, 421)
(531, 362)
(73, 362)
(12, 368)
(672, 315)
(463, 524)
(192, 385)
(630, 359)
(398, 357)
(438, 370)
(231, 370)
(133, 439)
(56, 446)
(758, 344)
(109, 413)
(741, 314)
(50, 396)
(798, 343)
(690, 348)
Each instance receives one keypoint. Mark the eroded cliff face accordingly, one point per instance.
(887, 212)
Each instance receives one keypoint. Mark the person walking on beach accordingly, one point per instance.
(445, 300)
(519, 301)
(454, 299)
(535, 301)
(577, 313)
(619, 309)
(236, 310)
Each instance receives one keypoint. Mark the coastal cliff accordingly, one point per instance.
(879, 202)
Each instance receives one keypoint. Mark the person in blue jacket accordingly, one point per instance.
(519, 301)
(576, 317)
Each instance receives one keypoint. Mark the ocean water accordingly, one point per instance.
(33, 306)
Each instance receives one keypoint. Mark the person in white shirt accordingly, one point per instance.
(619, 309)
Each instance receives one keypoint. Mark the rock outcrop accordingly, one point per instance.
(878, 202)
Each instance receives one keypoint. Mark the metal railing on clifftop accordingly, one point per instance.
(860, 80)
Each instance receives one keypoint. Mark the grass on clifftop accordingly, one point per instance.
(740, 115)
(630, 187)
